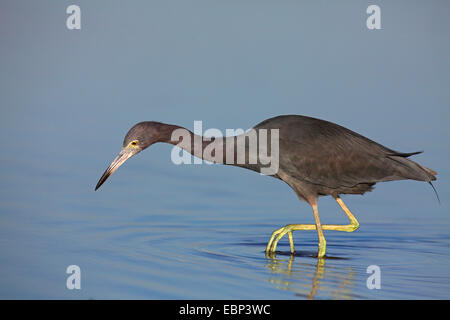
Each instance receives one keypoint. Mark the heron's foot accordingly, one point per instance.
(272, 244)
(288, 229)
(280, 233)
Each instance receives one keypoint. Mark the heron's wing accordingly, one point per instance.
(324, 153)
(327, 154)
(335, 161)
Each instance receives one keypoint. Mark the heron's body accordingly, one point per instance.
(316, 158)
(328, 159)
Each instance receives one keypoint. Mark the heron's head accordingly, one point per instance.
(140, 136)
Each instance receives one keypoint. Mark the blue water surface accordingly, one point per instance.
(156, 230)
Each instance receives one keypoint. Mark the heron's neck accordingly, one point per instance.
(229, 150)
(209, 149)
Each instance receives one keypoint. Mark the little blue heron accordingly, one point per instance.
(316, 158)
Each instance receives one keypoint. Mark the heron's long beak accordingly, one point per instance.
(123, 156)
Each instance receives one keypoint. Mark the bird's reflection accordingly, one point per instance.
(311, 280)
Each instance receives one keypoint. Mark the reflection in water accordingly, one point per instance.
(326, 282)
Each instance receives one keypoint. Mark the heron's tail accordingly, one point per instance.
(412, 170)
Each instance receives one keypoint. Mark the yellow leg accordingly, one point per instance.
(322, 242)
(354, 224)
(280, 233)
(291, 242)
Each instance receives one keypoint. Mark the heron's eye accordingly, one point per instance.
(134, 143)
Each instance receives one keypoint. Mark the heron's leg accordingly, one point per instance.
(280, 233)
(291, 242)
(354, 224)
(322, 241)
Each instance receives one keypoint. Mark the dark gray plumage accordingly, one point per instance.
(316, 158)
(333, 160)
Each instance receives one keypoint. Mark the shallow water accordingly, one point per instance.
(165, 245)
(160, 231)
